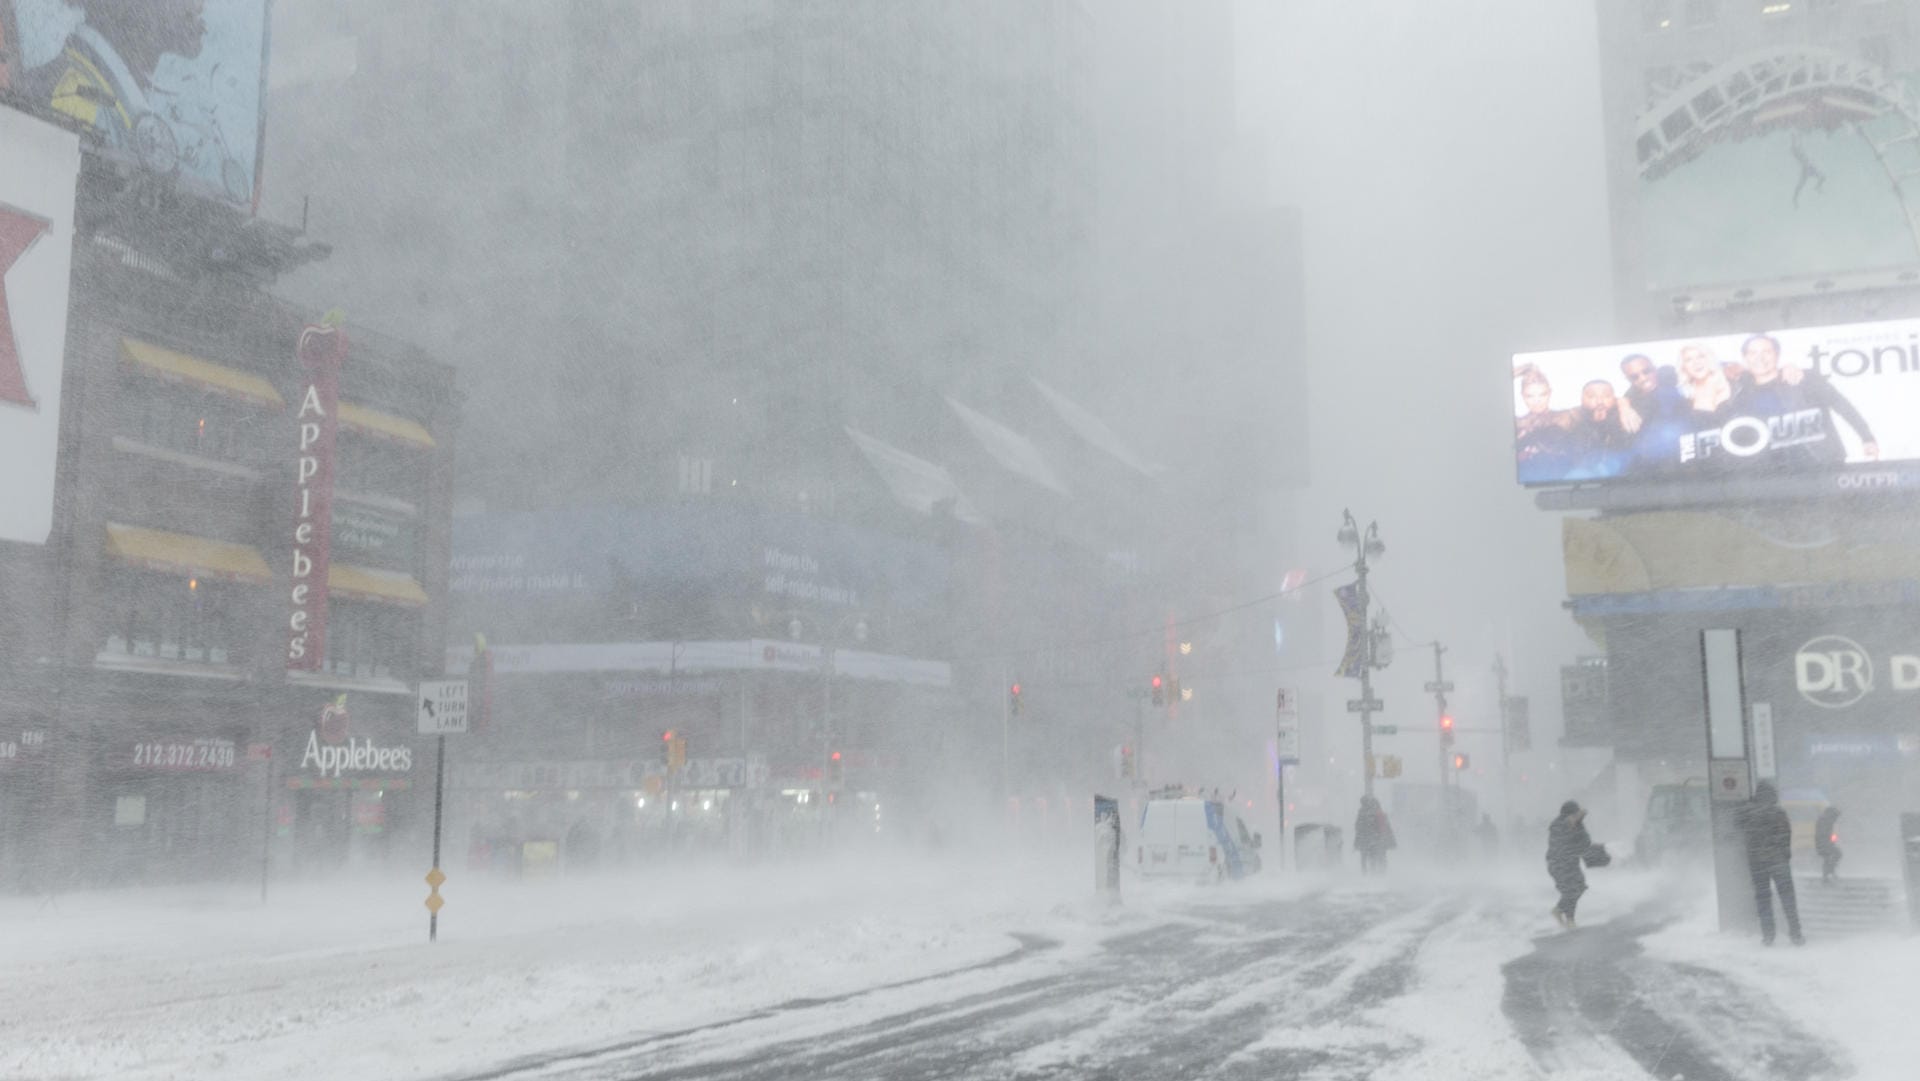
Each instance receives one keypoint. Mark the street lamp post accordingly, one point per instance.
(1364, 545)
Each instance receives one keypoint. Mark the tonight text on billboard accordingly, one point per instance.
(1779, 402)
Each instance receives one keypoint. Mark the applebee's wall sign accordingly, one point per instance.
(322, 348)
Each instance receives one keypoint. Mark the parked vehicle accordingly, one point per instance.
(1187, 837)
(1678, 826)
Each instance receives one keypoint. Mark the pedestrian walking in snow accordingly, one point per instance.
(1826, 842)
(1567, 846)
(1770, 860)
(1372, 835)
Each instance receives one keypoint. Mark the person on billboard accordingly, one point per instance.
(1543, 435)
(104, 74)
(1601, 443)
(1654, 411)
(1798, 407)
(1704, 382)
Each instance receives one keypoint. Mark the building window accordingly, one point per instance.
(366, 641)
(696, 475)
(1702, 12)
(165, 618)
(371, 467)
(203, 425)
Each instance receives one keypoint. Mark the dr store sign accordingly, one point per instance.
(1833, 672)
(321, 350)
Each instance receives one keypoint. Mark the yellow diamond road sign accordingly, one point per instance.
(434, 902)
(436, 877)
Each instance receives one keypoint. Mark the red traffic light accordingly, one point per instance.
(1156, 683)
(836, 756)
(1459, 761)
(1016, 690)
(1446, 722)
(667, 736)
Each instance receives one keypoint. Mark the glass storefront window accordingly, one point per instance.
(168, 618)
(367, 641)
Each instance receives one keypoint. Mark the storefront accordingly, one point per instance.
(356, 781)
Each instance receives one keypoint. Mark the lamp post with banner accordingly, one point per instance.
(1363, 653)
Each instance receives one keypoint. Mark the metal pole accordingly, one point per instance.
(1280, 845)
(439, 795)
(266, 823)
(1006, 709)
(1366, 669)
(1440, 704)
(1506, 736)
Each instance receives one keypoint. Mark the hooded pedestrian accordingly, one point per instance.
(1372, 835)
(1826, 842)
(1567, 846)
(1770, 860)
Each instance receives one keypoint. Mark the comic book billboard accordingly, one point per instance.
(1791, 162)
(175, 86)
(1805, 400)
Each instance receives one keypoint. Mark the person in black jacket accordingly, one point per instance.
(1826, 842)
(1770, 859)
(1372, 835)
(1567, 845)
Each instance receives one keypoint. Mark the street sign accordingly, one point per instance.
(1389, 766)
(1730, 779)
(1286, 744)
(1444, 686)
(443, 707)
(1284, 701)
(1386, 729)
(1763, 763)
(1365, 705)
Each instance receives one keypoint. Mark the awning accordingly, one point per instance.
(368, 584)
(163, 363)
(1011, 449)
(384, 426)
(180, 553)
(915, 482)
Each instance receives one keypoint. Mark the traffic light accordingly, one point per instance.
(833, 768)
(1013, 699)
(676, 751)
(1159, 691)
(1446, 730)
(1459, 761)
(1126, 762)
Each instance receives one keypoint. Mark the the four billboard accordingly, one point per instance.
(174, 86)
(1769, 402)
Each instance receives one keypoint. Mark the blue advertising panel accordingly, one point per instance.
(174, 86)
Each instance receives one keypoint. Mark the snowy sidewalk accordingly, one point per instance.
(337, 980)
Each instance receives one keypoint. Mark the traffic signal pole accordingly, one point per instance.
(1438, 686)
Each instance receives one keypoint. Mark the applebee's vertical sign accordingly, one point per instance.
(322, 349)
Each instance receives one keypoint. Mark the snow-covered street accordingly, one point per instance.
(976, 967)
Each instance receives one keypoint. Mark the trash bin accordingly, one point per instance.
(1910, 851)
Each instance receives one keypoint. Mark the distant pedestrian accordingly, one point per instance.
(1826, 842)
(1770, 860)
(1489, 835)
(1567, 846)
(1372, 835)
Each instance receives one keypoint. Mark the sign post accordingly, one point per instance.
(1286, 751)
(1729, 772)
(443, 709)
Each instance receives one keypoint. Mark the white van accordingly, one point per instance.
(1186, 837)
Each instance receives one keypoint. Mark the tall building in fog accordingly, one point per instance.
(681, 233)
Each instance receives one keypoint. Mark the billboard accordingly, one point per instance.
(1764, 403)
(175, 86)
(39, 169)
(1794, 161)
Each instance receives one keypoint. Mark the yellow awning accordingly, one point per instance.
(368, 584)
(180, 553)
(384, 425)
(180, 368)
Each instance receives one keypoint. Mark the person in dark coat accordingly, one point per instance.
(1567, 845)
(1372, 835)
(1770, 860)
(1826, 842)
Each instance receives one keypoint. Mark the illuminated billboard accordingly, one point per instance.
(1766, 402)
(175, 86)
(1794, 161)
